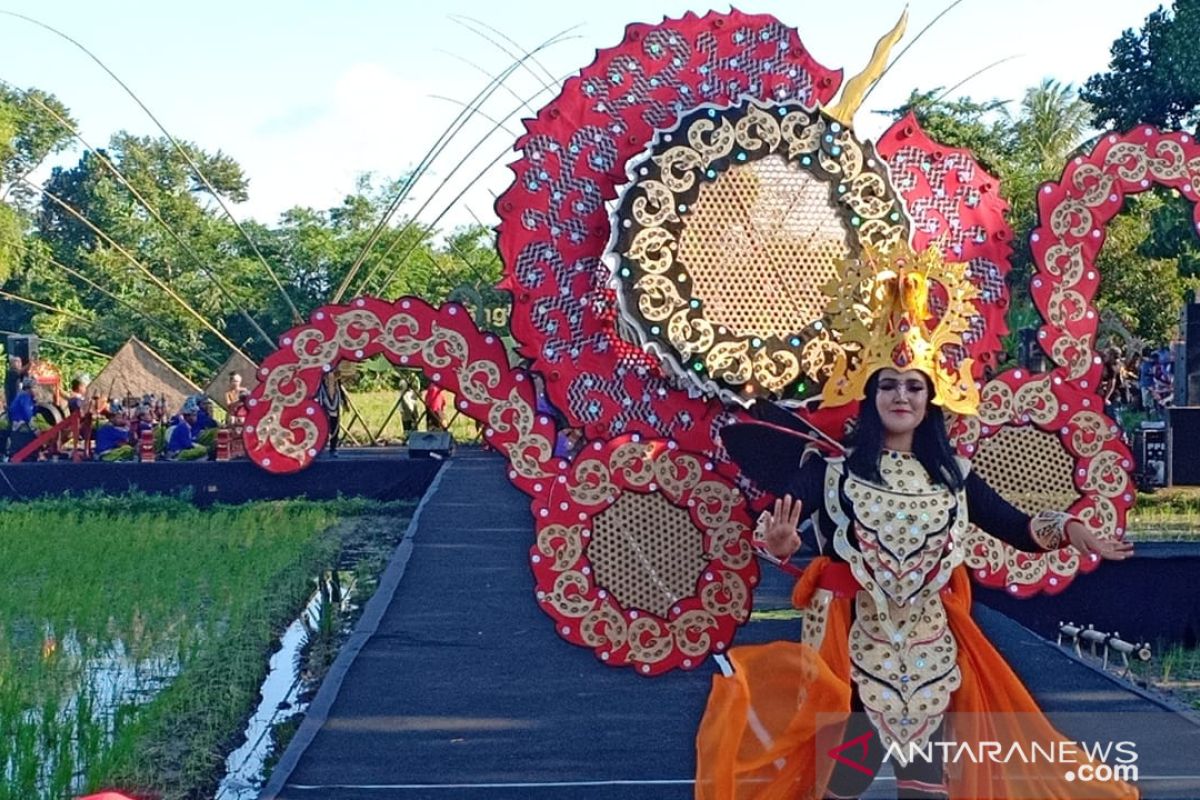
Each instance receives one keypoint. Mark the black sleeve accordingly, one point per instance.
(807, 484)
(769, 456)
(991, 512)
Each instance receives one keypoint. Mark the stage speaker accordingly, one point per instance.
(1151, 449)
(24, 346)
(1030, 354)
(430, 444)
(1185, 445)
(1189, 365)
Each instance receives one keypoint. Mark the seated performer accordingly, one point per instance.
(22, 407)
(113, 439)
(180, 445)
(889, 647)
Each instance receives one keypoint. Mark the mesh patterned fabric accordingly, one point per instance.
(1028, 467)
(759, 243)
(647, 552)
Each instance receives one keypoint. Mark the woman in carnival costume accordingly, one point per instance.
(890, 659)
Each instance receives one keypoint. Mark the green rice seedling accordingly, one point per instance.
(134, 634)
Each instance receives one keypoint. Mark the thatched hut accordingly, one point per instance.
(136, 370)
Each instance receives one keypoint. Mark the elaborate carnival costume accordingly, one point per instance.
(672, 242)
(886, 606)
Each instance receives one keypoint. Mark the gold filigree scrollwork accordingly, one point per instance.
(727, 597)
(1091, 433)
(359, 319)
(756, 129)
(649, 642)
(631, 461)
(652, 250)
(711, 141)
(604, 627)
(444, 347)
(593, 482)
(1035, 400)
(478, 379)
(568, 596)
(655, 207)
(563, 543)
(1106, 476)
(1193, 172)
(730, 361)
(312, 349)
(714, 502)
(691, 632)
(659, 300)
(714, 352)
(676, 475)
(1130, 160)
(1071, 216)
(400, 335)
(1101, 515)
(678, 167)
(1095, 184)
(689, 336)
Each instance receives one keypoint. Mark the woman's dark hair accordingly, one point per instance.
(930, 443)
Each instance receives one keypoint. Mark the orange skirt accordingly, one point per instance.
(758, 737)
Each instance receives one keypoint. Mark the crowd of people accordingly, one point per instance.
(114, 429)
(1142, 383)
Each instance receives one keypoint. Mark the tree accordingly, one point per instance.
(1154, 74)
(31, 129)
(187, 252)
(28, 135)
(1053, 120)
(1140, 280)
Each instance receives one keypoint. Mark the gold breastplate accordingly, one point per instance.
(905, 546)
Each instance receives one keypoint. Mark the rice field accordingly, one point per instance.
(1166, 515)
(135, 630)
(372, 418)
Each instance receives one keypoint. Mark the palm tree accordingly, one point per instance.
(1052, 123)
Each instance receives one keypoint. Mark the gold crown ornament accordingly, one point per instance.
(882, 308)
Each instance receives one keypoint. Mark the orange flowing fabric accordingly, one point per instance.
(757, 740)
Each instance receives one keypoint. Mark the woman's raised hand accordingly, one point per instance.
(1089, 544)
(781, 537)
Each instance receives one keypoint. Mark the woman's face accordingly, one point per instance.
(901, 399)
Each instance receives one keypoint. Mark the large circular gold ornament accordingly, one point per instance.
(727, 234)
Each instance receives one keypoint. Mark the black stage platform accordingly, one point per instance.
(376, 473)
(1150, 597)
(454, 684)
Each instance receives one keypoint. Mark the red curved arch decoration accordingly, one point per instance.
(1074, 213)
(285, 429)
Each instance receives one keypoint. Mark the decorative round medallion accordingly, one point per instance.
(728, 237)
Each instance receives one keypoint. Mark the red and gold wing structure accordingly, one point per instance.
(676, 216)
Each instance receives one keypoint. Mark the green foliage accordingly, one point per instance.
(1154, 74)
(124, 190)
(1140, 281)
(29, 133)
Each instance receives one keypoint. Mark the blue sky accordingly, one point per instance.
(308, 95)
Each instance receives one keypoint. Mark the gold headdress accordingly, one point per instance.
(880, 308)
